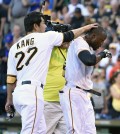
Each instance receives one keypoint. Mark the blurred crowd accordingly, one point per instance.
(106, 75)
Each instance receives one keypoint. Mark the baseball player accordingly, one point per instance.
(76, 106)
(27, 66)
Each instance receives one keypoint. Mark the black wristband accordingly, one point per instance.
(102, 55)
(68, 36)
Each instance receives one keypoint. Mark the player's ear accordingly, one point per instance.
(93, 37)
(35, 27)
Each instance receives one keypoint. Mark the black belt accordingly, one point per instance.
(29, 82)
(91, 91)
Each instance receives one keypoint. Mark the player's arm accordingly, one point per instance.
(56, 39)
(11, 84)
(77, 32)
(91, 59)
(10, 89)
(11, 79)
(73, 34)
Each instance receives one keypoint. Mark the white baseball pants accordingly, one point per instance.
(78, 111)
(28, 101)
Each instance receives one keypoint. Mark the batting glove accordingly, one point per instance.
(105, 53)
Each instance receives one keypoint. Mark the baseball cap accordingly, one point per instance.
(9, 38)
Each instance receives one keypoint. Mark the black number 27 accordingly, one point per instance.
(18, 67)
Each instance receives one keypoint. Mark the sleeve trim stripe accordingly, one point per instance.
(11, 75)
(11, 80)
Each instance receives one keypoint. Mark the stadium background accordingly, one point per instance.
(77, 13)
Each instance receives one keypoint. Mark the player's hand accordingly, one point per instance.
(8, 107)
(90, 26)
(105, 53)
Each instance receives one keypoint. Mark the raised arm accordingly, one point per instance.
(77, 32)
(73, 34)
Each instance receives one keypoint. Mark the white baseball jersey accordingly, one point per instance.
(29, 57)
(77, 73)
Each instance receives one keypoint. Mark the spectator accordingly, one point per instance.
(67, 19)
(110, 31)
(108, 69)
(47, 11)
(89, 20)
(91, 10)
(114, 12)
(87, 2)
(63, 12)
(99, 84)
(72, 6)
(109, 63)
(115, 68)
(34, 5)
(5, 7)
(2, 22)
(78, 19)
(112, 49)
(66, 2)
(52, 3)
(58, 4)
(3, 58)
(118, 44)
(101, 11)
(16, 33)
(54, 16)
(115, 93)
(16, 12)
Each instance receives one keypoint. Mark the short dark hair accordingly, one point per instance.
(97, 31)
(115, 75)
(77, 10)
(31, 19)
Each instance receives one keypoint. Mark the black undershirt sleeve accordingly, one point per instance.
(87, 58)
